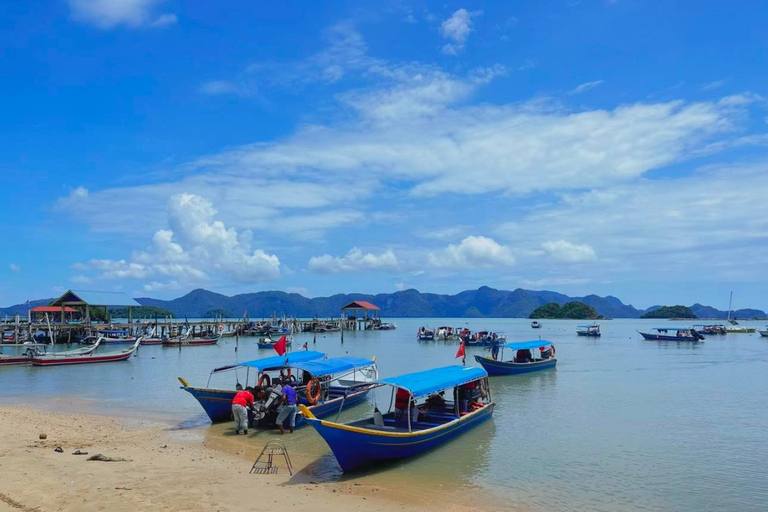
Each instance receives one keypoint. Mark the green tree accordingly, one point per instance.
(670, 312)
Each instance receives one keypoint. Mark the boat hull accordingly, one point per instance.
(151, 341)
(356, 448)
(665, 337)
(508, 368)
(13, 360)
(190, 343)
(217, 404)
(764, 333)
(588, 334)
(86, 359)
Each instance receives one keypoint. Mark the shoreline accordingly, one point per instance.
(172, 468)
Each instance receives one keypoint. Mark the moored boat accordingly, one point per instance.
(116, 336)
(445, 333)
(326, 385)
(422, 418)
(592, 331)
(739, 329)
(267, 342)
(188, 341)
(91, 357)
(710, 329)
(686, 334)
(524, 360)
(535, 324)
(425, 334)
(764, 332)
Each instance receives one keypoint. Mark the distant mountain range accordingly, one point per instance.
(483, 302)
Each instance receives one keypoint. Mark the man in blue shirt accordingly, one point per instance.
(288, 409)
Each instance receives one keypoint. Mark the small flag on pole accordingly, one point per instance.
(461, 353)
(280, 346)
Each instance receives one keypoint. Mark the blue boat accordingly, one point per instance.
(268, 342)
(333, 382)
(686, 334)
(524, 360)
(486, 339)
(422, 418)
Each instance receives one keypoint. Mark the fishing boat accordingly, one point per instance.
(117, 336)
(486, 339)
(278, 329)
(189, 341)
(422, 418)
(710, 329)
(592, 331)
(326, 385)
(524, 360)
(386, 326)
(425, 334)
(687, 334)
(445, 333)
(267, 342)
(535, 324)
(70, 358)
(739, 329)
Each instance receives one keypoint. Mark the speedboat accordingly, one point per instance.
(324, 385)
(535, 324)
(673, 334)
(764, 332)
(421, 420)
(593, 331)
(524, 360)
(425, 334)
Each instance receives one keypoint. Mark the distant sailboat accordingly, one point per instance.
(730, 303)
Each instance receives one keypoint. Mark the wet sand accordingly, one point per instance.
(166, 469)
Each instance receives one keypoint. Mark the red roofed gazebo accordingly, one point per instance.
(363, 307)
(54, 312)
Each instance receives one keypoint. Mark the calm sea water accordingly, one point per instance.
(620, 425)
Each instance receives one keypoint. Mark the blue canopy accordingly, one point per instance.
(322, 367)
(437, 379)
(275, 361)
(587, 326)
(522, 345)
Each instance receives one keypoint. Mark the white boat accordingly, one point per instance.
(764, 332)
(535, 324)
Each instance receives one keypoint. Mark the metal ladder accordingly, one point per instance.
(267, 467)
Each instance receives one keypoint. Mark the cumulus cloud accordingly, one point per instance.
(80, 279)
(14, 268)
(473, 252)
(195, 249)
(354, 261)
(567, 252)
(457, 29)
(106, 14)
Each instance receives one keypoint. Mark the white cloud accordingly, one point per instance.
(567, 252)
(586, 87)
(473, 252)
(457, 29)
(554, 281)
(165, 20)
(80, 279)
(196, 249)
(354, 261)
(221, 87)
(714, 85)
(106, 14)
(14, 268)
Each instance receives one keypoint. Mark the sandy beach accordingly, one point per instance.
(164, 469)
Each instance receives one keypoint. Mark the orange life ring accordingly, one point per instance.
(313, 391)
(264, 377)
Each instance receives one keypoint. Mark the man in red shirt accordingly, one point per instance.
(240, 404)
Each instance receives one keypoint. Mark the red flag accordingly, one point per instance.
(460, 352)
(280, 346)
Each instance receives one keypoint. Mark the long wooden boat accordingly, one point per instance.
(339, 381)
(524, 360)
(86, 358)
(13, 359)
(411, 429)
(187, 341)
(117, 336)
(685, 334)
(34, 350)
(151, 341)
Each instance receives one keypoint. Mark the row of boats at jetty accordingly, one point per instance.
(487, 338)
(425, 409)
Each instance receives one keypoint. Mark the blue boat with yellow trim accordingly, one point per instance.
(421, 420)
(322, 384)
(524, 360)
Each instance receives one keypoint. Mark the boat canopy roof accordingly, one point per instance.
(437, 379)
(323, 367)
(275, 361)
(522, 345)
(113, 332)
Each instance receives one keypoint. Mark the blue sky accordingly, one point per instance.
(611, 147)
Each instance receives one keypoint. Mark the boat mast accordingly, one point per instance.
(730, 303)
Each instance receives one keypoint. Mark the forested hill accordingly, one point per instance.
(483, 302)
